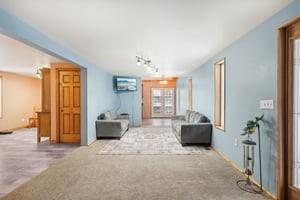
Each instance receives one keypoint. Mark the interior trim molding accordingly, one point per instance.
(236, 167)
(17, 128)
(282, 107)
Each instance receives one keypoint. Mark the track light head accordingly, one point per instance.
(146, 62)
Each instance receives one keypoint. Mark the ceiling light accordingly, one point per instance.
(147, 63)
(163, 81)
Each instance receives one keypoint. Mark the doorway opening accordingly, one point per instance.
(158, 98)
(25, 114)
(162, 102)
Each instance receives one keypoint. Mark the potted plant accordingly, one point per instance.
(251, 126)
(250, 129)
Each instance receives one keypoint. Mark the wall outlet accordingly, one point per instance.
(266, 104)
(236, 142)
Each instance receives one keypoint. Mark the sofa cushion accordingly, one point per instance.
(176, 123)
(203, 119)
(200, 118)
(124, 124)
(187, 115)
(101, 116)
(113, 115)
(196, 118)
(107, 115)
(110, 115)
(192, 116)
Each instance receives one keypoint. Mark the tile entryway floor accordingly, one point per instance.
(21, 158)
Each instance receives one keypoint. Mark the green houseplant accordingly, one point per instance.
(252, 125)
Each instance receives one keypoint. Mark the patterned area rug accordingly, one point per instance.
(148, 141)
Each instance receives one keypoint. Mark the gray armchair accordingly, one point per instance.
(111, 126)
(193, 128)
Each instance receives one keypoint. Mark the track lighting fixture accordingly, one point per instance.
(147, 63)
(138, 62)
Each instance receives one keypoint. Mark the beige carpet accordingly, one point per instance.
(149, 141)
(84, 175)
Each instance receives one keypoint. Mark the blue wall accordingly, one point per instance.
(251, 64)
(130, 103)
(183, 94)
(99, 96)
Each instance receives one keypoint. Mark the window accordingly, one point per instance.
(178, 100)
(190, 94)
(163, 100)
(1, 97)
(219, 120)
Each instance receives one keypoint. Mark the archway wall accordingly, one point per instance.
(97, 95)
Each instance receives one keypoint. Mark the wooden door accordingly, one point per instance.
(157, 102)
(293, 149)
(147, 86)
(169, 102)
(163, 102)
(289, 113)
(69, 106)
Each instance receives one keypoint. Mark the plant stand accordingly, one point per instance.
(247, 185)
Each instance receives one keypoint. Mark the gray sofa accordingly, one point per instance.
(193, 128)
(109, 125)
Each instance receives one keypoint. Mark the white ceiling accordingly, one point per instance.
(19, 58)
(177, 35)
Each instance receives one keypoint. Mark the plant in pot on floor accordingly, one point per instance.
(248, 146)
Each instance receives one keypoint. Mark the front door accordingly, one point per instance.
(293, 147)
(294, 163)
(163, 102)
(69, 105)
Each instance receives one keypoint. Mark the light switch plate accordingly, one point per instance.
(236, 142)
(266, 104)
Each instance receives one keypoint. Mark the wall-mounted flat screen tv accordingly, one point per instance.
(125, 84)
